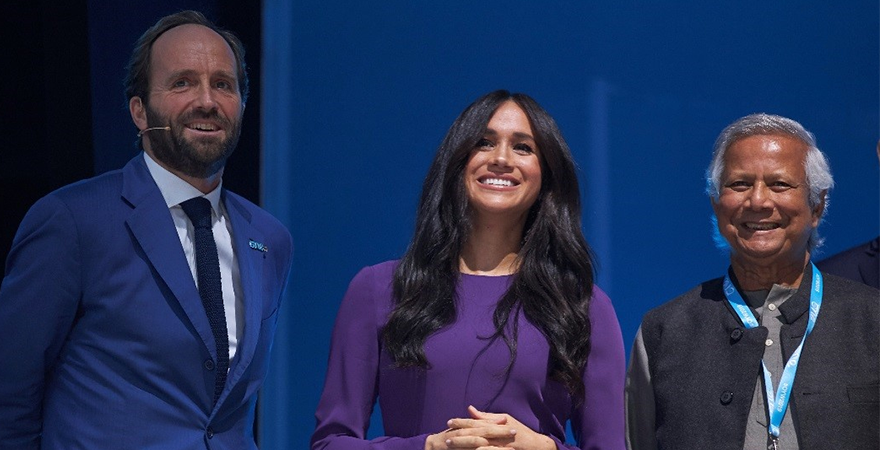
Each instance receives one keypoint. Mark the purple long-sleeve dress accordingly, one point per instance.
(465, 369)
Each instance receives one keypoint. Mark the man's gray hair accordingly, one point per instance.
(818, 173)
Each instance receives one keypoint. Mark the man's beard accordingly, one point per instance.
(199, 159)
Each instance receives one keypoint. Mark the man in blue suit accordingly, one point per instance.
(110, 333)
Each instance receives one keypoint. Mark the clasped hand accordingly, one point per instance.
(488, 431)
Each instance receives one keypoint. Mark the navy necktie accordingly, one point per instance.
(198, 210)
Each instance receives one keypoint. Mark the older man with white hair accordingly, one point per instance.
(775, 354)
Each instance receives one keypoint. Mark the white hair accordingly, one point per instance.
(818, 172)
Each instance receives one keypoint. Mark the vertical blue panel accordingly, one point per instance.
(599, 195)
(278, 408)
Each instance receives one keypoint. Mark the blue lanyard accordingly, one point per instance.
(778, 403)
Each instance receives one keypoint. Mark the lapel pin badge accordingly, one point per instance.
(257, 246)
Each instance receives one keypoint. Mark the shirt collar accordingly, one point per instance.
(175, 190)
(777, 294)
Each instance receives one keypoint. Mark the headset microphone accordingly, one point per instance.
(141, 133)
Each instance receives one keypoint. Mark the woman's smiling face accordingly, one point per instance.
(503, 173)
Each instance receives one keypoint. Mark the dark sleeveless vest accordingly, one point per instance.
(704, 367)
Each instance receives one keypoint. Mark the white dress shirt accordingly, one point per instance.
(176, 191)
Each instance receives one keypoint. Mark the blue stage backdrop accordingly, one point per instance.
(357, 96)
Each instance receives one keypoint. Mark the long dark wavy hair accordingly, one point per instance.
(554, 280)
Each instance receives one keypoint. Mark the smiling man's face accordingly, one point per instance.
(194, 91)
(763, 206)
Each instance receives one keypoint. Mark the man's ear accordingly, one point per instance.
(714, 204)
(138, 112)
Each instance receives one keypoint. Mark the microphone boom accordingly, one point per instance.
(141, 133)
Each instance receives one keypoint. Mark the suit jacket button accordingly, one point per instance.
(209, 364)
(736, 334)
(210, 433)
(726, 397)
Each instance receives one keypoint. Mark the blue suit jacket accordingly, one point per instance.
(104, 342)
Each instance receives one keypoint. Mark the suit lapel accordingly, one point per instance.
(250, 264)
(152, 227)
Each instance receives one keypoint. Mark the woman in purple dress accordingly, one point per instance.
(489, 333)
